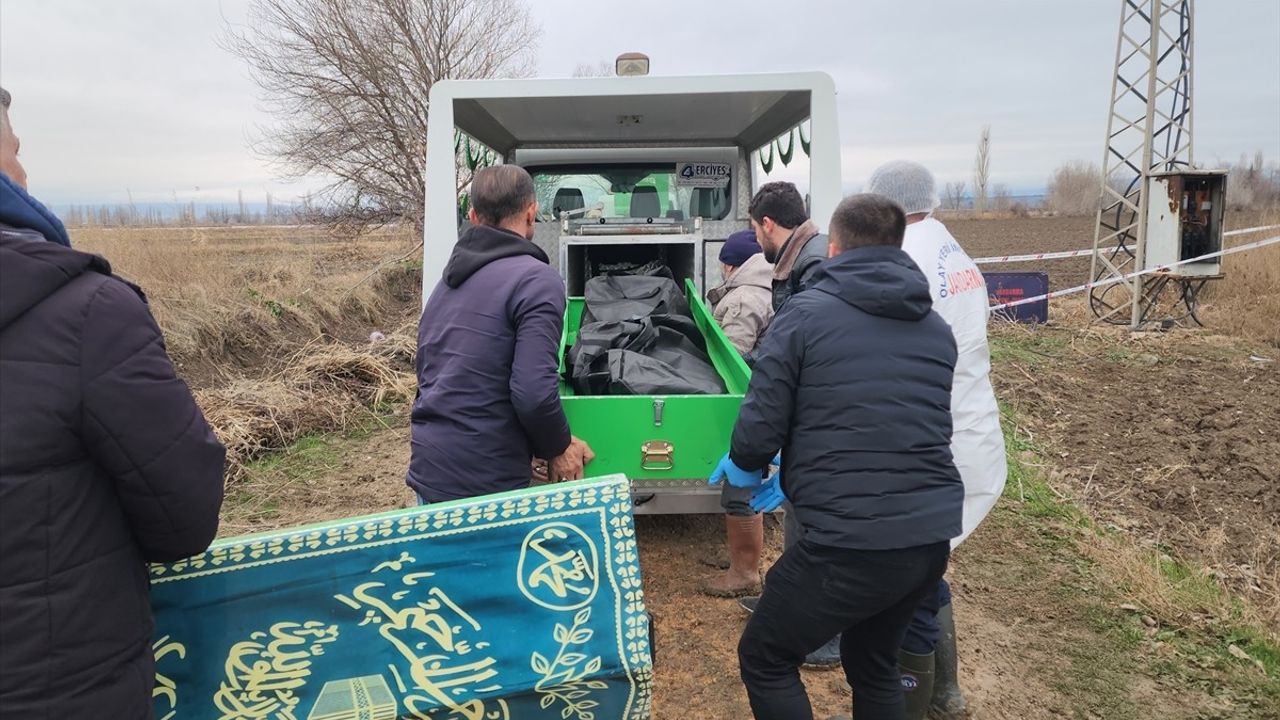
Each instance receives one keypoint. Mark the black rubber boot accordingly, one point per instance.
(948, 702)
(917, 683)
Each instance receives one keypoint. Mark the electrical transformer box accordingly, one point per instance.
(1184, 221)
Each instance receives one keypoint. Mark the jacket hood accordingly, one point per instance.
(480, 245)
(20, 210)
(879, 280)
(755, 272)
(32, 269)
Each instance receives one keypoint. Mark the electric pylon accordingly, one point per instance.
(1148, 131)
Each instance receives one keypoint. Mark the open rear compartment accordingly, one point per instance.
(583, 261)
(668, 445)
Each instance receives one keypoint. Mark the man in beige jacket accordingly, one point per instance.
(743, 306)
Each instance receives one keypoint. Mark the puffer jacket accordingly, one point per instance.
(853, 385)
(106, 464)
(743, 304)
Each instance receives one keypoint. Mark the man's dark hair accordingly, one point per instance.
(780, 201)
(867, 219)
(5, 98)
(500, 192)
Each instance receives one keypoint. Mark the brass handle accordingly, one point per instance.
(657, 455)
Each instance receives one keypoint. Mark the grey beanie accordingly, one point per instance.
(907, 183)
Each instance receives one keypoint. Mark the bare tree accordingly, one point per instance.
(349, 80)
(982, 170)
(1074, 189)
(1253, 184)
(953, 195)
(1001, 201)
(604, 68)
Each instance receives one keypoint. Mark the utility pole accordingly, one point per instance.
(1149, 133)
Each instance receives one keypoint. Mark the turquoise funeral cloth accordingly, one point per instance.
(521, 606)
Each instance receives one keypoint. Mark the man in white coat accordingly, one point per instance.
(928, 656)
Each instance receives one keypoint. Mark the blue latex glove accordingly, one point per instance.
(737, 477)
(769, 496)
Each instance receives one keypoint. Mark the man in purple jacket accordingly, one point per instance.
(488, 356)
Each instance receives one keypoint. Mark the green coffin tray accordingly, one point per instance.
(624, 432)
(519, 605)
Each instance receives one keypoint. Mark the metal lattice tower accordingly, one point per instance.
(1148, 130)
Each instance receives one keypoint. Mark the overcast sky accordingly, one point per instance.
(134, 95)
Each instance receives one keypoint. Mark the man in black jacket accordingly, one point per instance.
(790, 240)
(853, 384)
(105, 464)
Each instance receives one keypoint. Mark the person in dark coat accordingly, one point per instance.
(791, 241)
(106, 464)
(488, 356)
(853, 385)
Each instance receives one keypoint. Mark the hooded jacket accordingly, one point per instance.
(853, 384)
(743, 304)
(960, 296)
(106, 463)
(488, 369)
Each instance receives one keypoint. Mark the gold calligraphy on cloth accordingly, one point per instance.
(264, 677)
(165, 687)
(558, 567)
(429, 631)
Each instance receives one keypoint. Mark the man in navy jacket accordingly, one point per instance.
(488, 355)
(106, 464)
(853, 385)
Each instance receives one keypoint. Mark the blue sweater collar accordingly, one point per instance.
(20, 210)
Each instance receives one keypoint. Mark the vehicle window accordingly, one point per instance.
(625, 191)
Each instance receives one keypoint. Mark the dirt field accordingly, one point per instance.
(1032, 643)
(1170, 436)
(1168, 442)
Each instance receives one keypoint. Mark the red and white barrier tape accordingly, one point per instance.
(1089, 251)
(1114, 280)
(1036, 256)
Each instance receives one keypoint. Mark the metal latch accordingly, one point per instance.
(658, 405)
(657, 455)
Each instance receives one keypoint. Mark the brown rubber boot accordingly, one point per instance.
(746, 543)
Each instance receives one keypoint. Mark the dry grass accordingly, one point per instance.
(323, 387)
(1247, 301)
(1211, 598)
(240, 295)
(271, 324)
